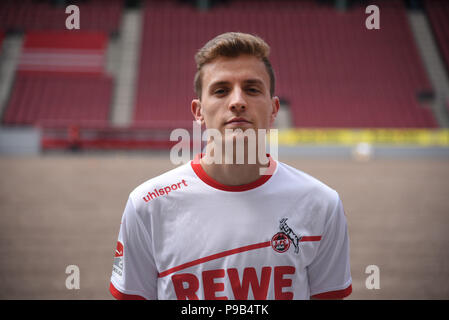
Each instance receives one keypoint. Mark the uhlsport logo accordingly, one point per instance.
(282, 240)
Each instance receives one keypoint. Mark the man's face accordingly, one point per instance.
(236, 94)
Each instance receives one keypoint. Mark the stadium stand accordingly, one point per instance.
(438, 13)
(330, 68)
(60, 81)
(97, 15)
(62, 100)
(2, 36)
(63, 51)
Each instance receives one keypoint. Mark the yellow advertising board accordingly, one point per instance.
(416, 137)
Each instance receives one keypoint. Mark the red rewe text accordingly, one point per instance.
(186, 285)
(164, 191)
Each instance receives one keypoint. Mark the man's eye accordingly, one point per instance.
(253, 90)
(220, 91)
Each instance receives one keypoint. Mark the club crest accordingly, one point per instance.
(282, 240)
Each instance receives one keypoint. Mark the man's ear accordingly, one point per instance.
(197, 111)
(275, 105)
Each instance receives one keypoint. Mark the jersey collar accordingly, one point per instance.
(199, 171)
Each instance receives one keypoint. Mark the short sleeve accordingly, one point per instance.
(134, 272)
(330, 273)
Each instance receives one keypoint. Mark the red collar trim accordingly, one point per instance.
(198, 169)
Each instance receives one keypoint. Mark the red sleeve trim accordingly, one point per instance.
(123, 296)
(339, 294)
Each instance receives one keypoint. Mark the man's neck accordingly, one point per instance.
(233, 174)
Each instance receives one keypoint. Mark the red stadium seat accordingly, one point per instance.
(63, 51)
(61, 81)
(2, 36)
(63, 100)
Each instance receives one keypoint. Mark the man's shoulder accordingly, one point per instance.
(304, 183)
(171, 178)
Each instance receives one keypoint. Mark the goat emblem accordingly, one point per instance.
(290, 234)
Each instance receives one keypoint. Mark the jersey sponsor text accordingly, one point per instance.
(187, 285)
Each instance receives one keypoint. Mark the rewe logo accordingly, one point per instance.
(213, 282)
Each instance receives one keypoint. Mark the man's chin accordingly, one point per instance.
(240, 135)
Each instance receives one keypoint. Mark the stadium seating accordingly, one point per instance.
(61, 81)
(2, 36)
(331, 70)
(63, 51)
(25, 15)
(62, 100)
(438, 13)
(329, 67)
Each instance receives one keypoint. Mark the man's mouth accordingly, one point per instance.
(237, 120)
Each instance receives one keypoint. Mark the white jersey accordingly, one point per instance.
(185, 236)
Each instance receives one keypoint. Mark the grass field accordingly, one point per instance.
(60, 210)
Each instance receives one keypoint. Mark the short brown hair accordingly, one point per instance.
(232, 44)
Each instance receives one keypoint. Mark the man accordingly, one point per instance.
(217, 230)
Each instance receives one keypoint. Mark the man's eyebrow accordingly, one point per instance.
(247, 81)
(253, 81)
(218, 83)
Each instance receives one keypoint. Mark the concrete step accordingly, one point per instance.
(124, 65)
(9, 57)
(433, 62)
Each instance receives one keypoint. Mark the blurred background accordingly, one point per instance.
(86, 115)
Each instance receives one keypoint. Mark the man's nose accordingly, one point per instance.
(237, 102)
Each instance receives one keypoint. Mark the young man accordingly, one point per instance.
(211, 230)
